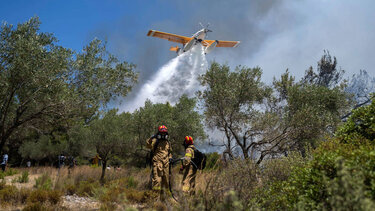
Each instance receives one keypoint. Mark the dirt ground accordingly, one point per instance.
(72, 202)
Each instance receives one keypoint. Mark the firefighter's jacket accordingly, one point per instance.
(161, 149)
(190, 171)
(189, 155)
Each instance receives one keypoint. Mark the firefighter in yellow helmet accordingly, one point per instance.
(188, 168)
(161, 153)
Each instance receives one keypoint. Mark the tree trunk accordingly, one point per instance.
(245, 152)
(104, 166)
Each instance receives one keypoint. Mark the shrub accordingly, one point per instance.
(8, 172)
(136, 196)
(239, 176)
(54, 196)
(24, 178)
(38, 195)
(126, 182)
(361, 124)
(87, 188)
(2, 184)
(112, 195)
(70, 189)
(348, 191)
(11, 172)
(37, 206)
(24, 194)
(279, 169)
(43, 196)
(9, 195)
(43, 182)
(107, 206)
(213, 161)
(339, 176)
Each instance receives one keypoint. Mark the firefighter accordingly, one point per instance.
(161, 153)
(188, 168)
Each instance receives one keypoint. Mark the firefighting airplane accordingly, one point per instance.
(189, 42)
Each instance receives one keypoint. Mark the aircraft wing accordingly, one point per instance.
(221, 43)
(169, 37)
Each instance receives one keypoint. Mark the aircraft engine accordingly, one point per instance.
(211, 47)
(189, 45)
(179, 51)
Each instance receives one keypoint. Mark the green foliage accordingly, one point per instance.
(231, 202)
(131, 182)
(46, 88)
(8, 172)
(312, 110)
(113, 195)
(339, 176)
(327, 75)
(116, 161)
(43, 182)
(230, 100)
(109, 136)
(360, 125)
(213, 161)
(24, 178)
(87, 188)
(181, 120)
(348, 191)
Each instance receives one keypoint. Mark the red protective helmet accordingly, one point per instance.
(163, 129)
(188, 140)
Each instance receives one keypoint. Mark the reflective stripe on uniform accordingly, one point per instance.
(156, 188)
(185, 188)
(188, 155)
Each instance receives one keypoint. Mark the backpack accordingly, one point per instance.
(199, 159)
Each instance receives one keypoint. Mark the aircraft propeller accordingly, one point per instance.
(205, 28)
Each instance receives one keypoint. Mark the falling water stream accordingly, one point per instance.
(177, 77)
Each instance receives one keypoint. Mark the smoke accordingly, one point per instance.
(177, 77)
(274, 34)
(239, 21)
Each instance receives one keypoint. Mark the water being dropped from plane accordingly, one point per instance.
(179, 76)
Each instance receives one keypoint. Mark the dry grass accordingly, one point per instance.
(130, 186)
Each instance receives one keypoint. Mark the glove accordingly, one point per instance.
(181, 171)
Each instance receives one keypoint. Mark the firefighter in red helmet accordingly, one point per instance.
(188, 169)
(161, 153)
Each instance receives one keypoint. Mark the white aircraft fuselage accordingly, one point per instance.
(199, 36)
(189, 42)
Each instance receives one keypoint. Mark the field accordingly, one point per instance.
(53, 189)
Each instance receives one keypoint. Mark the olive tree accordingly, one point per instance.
(44, 84)
(231, 100)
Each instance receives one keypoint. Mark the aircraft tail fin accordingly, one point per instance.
(174, 48)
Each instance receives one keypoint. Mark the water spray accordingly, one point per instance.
(179, 76)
